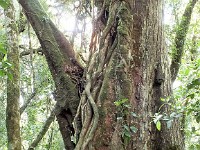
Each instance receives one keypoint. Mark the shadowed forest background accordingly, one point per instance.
(99, 74)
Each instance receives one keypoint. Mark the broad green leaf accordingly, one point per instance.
(2, 49)
(198, 118)
(133, 129)
(191, 95)
(158, 125)
(126, 127)
(10, 76)
(127, 133)
(4, 3)
(2, 73)
(133, 114)
(120, 102)
(157, 118)
(194, 83)
(172, 114)
(169, 124)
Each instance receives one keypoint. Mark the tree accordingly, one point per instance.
(110, 104)
(13, 90)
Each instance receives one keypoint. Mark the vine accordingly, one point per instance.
(100, 54)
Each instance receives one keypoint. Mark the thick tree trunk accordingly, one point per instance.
(13, 88)
(65, 70)
(130, 64)
(139, 71)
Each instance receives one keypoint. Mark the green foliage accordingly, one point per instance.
(40, 107)
(2, 49)
(4, 3)
(156, 120)
(121, 102)
(127, 129)
(186, 97)
(187, 86)
(4, 63)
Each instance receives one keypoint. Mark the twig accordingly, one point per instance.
(28, 102)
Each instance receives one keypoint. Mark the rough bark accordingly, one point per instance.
(139, 72)
(13, 89)
(128, 61)
(180, 38)
(65, 70)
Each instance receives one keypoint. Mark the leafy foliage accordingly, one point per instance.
(4, 3)
(186, 95)
(127, 129)
(187, 86)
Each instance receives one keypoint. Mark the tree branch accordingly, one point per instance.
(62, 63)
(55, 46)
(180, 39)
(27, 102)
(28, 52)
(44, 128)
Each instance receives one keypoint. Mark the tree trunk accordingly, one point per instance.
(65, 70)
(138, 71)
(127, 75)
(13, 89)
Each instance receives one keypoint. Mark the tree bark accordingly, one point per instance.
(180, 38)
(126, 76)
(138, 72)
(65, 70)
(13, 89)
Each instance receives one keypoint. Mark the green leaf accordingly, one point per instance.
(2, 73)
(158, 125)
(169, 124)
(173, 114)
(10, 76)
(133, 114)
(157, 118)
(191, 95)
(194, 83)
(6, 65)
(4, 3)
(2, 49)
(126, 127)
(133, 129)
(120, 102)
(197, 118)
(127, 133)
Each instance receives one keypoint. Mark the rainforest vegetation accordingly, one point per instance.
(99, 74)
